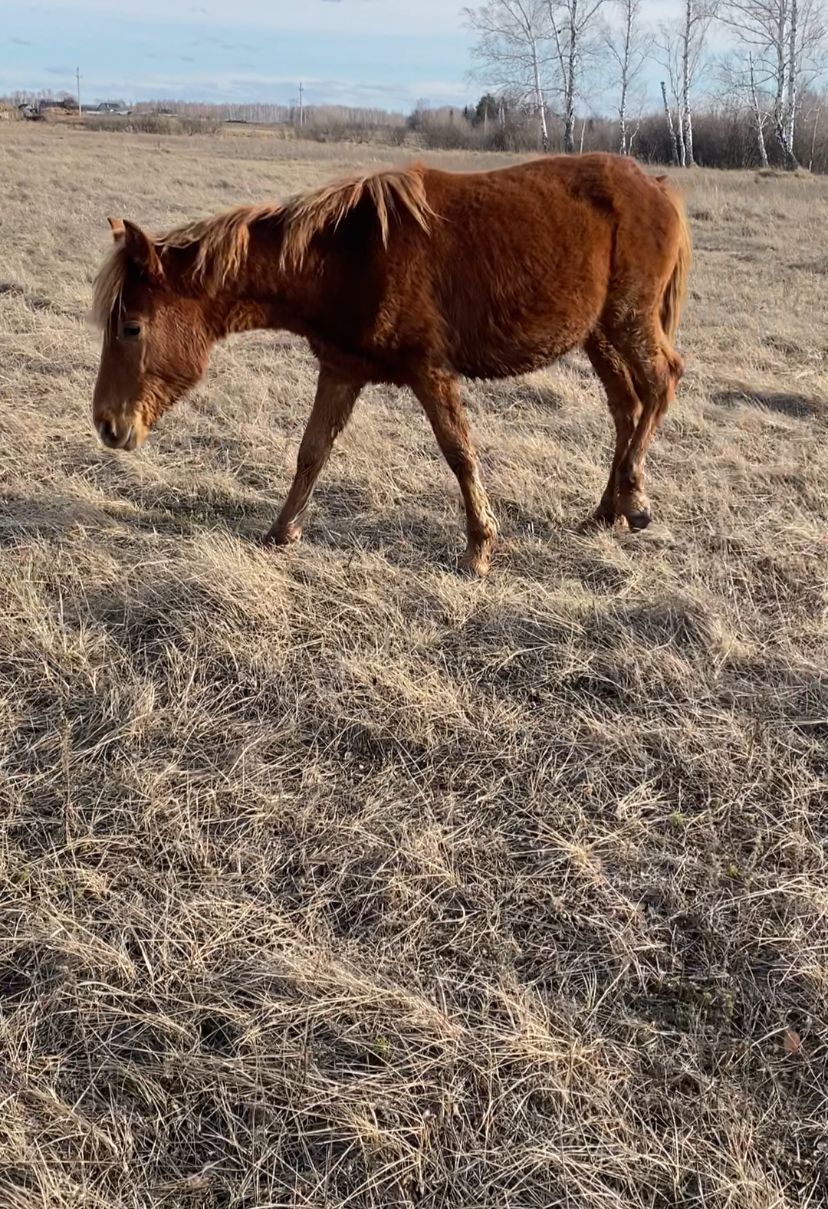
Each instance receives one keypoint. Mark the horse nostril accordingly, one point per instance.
(108, 432)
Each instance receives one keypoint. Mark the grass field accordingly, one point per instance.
(329, 878)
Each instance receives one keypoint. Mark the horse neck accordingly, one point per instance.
(265, 294)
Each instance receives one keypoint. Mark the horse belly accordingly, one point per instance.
(531, 319)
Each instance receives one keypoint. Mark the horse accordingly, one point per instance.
(419, 278)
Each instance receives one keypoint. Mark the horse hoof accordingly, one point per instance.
(474, 566)
(282, 537)
(639, 520)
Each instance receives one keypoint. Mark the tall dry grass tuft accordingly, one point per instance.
(328, 878)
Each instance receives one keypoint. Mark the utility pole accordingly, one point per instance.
(77, 79)
(301, 105)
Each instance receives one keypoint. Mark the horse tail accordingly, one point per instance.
(676, 288)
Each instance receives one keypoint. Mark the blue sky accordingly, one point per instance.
(384, 53)
(387, 53)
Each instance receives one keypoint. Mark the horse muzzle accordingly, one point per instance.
(117, 434)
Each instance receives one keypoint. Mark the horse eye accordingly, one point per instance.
(131, 330)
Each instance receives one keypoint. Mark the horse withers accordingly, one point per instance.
(415, 277)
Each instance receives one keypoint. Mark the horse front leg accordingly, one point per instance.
(331, 411)
(439, 395)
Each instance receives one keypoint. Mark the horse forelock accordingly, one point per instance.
(109, 286)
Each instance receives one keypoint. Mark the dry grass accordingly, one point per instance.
(328, 878)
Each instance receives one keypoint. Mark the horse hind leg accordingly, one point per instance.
(655, 369)
(625, 408)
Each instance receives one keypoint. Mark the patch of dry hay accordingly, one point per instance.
(327, 878)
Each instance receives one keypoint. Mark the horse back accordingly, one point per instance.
(517, 268)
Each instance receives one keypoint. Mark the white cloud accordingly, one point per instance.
(249, 87)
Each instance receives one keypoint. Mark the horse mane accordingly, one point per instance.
(223, 241)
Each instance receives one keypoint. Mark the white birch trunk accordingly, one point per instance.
(670, 126)
(625, 76)
(780, 122)
(758, 117)
(686, 118)
(539, 98)
(571, 78)
(792, 98)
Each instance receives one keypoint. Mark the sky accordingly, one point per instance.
(384, 53)
(377, 53)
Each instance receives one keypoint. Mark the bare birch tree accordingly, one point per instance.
(682, 52)
(628, 54)
(785, 42)
(760, 116)
(574, 32)
(740, 87)
(540, 48)
(512, 51)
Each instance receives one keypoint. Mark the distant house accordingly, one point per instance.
(67, 105)
(112, 108)
(36, 111)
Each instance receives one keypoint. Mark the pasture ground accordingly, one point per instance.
(328, 878)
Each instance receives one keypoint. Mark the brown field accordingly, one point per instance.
(329, 878)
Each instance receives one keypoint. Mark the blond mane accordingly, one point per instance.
(223, 240)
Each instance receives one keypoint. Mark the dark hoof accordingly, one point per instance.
(639, 520)
(287, 537)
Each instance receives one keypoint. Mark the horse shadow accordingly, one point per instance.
(410, 534)
(344, 519)
(784, 403)
(24, 518)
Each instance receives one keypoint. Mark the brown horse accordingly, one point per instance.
(414, 277)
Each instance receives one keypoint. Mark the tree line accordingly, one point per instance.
(558, 58)
(576, 75)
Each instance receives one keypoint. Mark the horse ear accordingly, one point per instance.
(141, 251)
(116, 226)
